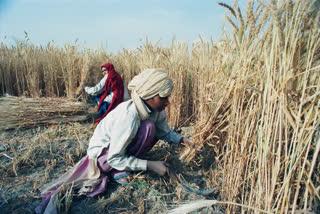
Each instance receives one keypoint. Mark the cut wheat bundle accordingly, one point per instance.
(22, 112)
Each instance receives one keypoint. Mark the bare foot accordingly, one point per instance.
(123, 180)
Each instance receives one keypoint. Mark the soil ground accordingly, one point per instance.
(32, 157)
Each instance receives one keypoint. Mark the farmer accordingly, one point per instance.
(109, 92)
(120, 141)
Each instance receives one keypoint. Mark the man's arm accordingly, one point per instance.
(163, 131)
(97, 89)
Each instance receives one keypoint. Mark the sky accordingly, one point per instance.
(113, 24)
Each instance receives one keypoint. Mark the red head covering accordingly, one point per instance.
(108, 66)
(114, 82)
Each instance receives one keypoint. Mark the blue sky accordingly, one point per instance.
(116, 24)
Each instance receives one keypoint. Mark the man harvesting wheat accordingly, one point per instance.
(121, 140)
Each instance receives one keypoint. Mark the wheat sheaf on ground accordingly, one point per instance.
(23, 112)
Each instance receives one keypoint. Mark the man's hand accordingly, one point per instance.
(159, 167)
(83, 85)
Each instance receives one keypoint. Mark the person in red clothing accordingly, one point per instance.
(109, 92)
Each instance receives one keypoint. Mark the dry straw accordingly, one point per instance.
(190, 206)
(253, 97)
(266, 139)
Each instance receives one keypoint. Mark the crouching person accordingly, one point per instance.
(120, 141)
(109, 92)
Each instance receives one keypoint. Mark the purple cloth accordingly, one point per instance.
(100, 188)
(140, 145)
(45, 200)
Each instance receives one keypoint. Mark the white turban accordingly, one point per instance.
(147, 84)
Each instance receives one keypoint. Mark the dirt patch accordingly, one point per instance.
(31, 157)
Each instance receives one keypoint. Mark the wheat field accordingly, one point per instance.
(253, 98)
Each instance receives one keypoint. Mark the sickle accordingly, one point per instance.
(202, 192)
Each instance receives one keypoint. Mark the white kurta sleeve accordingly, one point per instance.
(123, 132)
(108, 98)
(97, 89)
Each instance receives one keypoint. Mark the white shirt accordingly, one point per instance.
(98, 89)
(118, 129)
